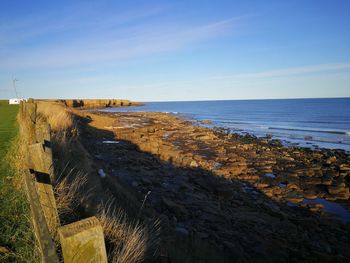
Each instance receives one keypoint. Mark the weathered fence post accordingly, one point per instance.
(41, 164)
(83, 241)
(47, 246)
(43, 135)
(30, 118)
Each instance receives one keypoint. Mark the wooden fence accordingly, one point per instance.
(81, 241)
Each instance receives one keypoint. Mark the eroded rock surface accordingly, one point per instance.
(245, 196)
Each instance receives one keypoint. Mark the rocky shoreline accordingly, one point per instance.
(250, 198)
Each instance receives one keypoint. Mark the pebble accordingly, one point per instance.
(101, 173)
(181, 230)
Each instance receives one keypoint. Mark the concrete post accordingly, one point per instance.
(83, 241)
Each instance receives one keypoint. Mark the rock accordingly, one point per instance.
(233, 216)
(294, 198)
(101, 173)
(340, 193)
(261, 185)
(146, 181)
(269, 192)
(315, 207)
(185, 186)
(205, 184)
(234, 249)
(182, 231)
(327, 180)
(343, 196)
(212, 218)
(331, 160)
(344, 167)
(292, 186)
(202, 235)
(309, 194)
(233, 168)
(194, 164)
(206, 122)
(179, 210)
(337, 189)
(312, 181)
(225, 192)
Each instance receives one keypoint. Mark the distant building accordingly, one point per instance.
(15, 101)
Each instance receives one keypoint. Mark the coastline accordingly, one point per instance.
(226, 189)
(307, 123)
(93, 103)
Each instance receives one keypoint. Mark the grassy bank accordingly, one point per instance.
(7, 125)
(17, 243)
(80, 192)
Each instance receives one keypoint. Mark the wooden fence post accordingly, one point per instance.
(43, 135)
(30, 118)
(83, 241)
(42, 132)
(41, 164)
(47, 246)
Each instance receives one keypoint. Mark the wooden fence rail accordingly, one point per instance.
(81, 241)
(42, 234)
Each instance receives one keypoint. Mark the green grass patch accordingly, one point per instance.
(7, 125)
(17, 243)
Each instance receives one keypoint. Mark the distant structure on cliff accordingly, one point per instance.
(15, 101)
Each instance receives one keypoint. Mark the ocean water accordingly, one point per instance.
(313, 123)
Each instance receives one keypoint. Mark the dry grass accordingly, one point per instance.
(69, 193)
(63, 126)
(130, 242)
(56, 115)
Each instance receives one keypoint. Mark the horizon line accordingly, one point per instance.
(295, 98)
(195, 100)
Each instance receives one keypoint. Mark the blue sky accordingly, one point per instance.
(175, 50)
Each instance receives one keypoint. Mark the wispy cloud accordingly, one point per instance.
(276, 73)
(80, 19)
(293, 71)
(78, 40)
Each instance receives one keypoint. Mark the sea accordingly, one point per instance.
(312, 123)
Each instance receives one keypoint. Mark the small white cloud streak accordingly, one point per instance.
(294, 71)
(110, 39)
(285, 72)
(75, 18)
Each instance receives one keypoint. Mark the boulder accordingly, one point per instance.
(294, 198)
(225, 192)
(179, 210)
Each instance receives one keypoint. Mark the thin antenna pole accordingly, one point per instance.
(14, 86)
